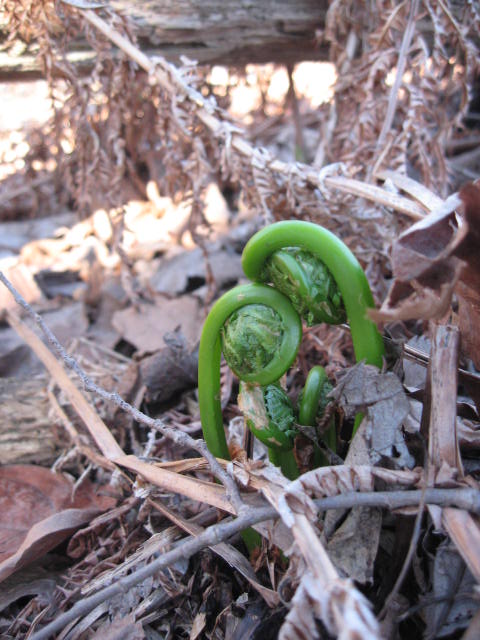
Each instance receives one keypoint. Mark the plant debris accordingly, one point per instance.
(127, 199)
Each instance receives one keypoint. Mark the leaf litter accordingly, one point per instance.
(133, 279)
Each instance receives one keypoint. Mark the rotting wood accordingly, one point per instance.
(232, 32)
(26, 434)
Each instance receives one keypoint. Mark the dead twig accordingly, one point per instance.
(408, 558)
(211, 536)
(463, 498)
(105, 440)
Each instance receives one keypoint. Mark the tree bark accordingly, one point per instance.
(229, 32)
(26, 434)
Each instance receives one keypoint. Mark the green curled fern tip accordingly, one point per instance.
(266, 369)
(251, 337)
(341, 264)
(306, 280)
(269, 414)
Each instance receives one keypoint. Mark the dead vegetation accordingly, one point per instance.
(166, 185)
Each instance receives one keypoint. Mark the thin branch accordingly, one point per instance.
(462, 498)
(179, 437)
(467, 499)
(211, 536)
(408, 558)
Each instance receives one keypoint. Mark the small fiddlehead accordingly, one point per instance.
(312, 402)
(308, 283)
(313, 397)
(261, 265)
(269, 414)
(266, 350)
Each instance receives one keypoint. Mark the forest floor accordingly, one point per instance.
(108, 275)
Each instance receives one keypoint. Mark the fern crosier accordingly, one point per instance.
(306, 280)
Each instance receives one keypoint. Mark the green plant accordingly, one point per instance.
(312, 402)
(315, 276)
(260, 264)
(265, 355)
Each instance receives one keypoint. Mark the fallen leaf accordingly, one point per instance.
(468, 287)
(38, 512)
(453, 601)
(120, 628)
(31, 581)
(145, 327)
(424, 267)
(381, 396)
(170, 370)
(434, 259)
(186, 270)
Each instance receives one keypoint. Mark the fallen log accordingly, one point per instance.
(229, 32)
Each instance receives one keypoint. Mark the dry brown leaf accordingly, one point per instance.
(452, 593)
(434, 259)
(170, 370)
(120, 628)
(39, 510)
(31, 581)
(468, 287)
(381, 396)
(145, 327)
(424, 267)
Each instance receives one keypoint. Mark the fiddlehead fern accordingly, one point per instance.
(269, 415)
(312, 402)
(260, 330)
(279, 348)
(259, 265)
(308, 283)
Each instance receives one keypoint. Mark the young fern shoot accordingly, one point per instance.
(313, 294)
(257, 352)
(259, 328)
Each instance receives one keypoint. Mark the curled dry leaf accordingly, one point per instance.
(39, 510)
(312, 601)
(424, 266)
(435, 258)
(330, 481)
